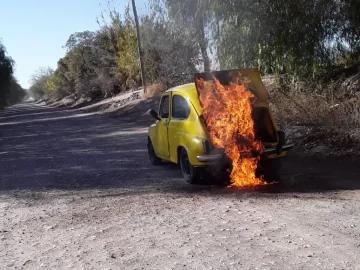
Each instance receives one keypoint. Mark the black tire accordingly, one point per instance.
(271, 170)
(217, 175)
(190, 173)
(154, 160)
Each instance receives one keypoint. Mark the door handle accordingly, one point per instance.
(166, 122)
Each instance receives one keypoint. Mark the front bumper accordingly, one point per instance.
(215, 155)
(218, 154)
(210, 157)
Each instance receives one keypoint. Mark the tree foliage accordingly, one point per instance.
(296, 37)
(192, 16)
(10, 91)
(42, 82)
(105, 62)
(168, 56)
(299, 38)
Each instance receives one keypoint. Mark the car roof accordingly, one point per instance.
(189, 90)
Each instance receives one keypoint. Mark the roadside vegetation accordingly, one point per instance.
(308, 52)
(10, 91)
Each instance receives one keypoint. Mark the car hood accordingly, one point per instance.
(255, 85)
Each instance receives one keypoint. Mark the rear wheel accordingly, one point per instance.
(154, 160)
(190, 173)
(218, 175)
(271, 170)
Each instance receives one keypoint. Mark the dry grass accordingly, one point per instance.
(330, 112)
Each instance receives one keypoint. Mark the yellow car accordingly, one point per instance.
(180, 136)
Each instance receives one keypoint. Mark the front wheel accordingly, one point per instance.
(153, 158)
(190, 173)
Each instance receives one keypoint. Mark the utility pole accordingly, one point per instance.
(139, 46)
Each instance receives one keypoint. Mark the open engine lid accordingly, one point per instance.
(225, 77)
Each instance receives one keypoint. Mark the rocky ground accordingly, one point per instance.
(76, 191)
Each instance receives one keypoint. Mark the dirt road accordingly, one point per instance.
(76, 191)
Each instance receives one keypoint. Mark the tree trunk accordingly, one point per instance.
(203, 44)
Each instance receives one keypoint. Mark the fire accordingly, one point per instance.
(227, 114)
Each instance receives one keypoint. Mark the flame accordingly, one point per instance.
(227, 114)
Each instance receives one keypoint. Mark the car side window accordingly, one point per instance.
(164, 108)
(180, 107)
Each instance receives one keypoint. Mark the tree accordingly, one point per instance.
(295, 37)
(10, 91)
(192, 16)
(167, 56)
(298, 38)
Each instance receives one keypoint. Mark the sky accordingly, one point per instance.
(34, 31)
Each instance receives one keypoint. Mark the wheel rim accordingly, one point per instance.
(185, 164)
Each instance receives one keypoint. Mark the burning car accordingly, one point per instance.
(221, 121)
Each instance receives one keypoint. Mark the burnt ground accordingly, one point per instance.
(77, 191)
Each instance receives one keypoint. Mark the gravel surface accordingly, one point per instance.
(77, 192)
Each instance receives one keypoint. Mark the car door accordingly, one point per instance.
(179, 128)
(162, 127)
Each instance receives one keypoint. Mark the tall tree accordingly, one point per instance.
(192, 16)
(297, 37)
(10, 91)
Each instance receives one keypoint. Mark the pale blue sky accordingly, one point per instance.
(34, 31)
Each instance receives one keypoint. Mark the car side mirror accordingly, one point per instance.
(154, 114)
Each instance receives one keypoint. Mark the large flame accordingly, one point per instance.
(227, 114)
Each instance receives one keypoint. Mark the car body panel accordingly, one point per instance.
(188, 133)
(189, 90)
(161, 144)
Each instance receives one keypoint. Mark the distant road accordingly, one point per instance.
(77, 191)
